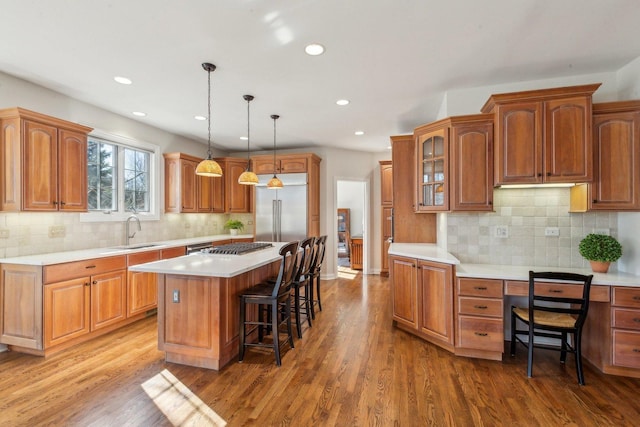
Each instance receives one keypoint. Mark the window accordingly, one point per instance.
(121, 178)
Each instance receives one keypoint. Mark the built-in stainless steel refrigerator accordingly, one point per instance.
(281, 215)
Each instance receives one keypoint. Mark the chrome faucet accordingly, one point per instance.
(128, 234)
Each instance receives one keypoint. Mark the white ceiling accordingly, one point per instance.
(393, 59)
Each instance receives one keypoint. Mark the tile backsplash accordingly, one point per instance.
(515, 233)
(31, 233)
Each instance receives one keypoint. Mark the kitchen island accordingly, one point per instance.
(198, 304)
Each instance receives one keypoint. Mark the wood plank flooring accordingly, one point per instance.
(351, 368)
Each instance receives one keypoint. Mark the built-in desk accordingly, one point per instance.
(477, 299)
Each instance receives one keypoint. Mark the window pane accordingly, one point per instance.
(101, 179)
(136, 175)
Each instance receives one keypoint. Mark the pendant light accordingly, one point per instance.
(247, 177)
(274, 183)
(209, 167)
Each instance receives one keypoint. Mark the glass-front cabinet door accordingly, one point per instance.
(433, 186)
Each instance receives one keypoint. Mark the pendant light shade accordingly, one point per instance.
(209, 167)
(274, 183)
(247, 177)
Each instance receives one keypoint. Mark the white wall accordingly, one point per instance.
(629, 223)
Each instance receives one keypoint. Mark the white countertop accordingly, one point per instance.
(430, 252)
(70, 256)
(425, 251)
(515, 272)
(213, 265)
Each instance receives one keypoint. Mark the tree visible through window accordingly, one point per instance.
(115, 170)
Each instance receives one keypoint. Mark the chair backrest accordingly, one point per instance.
(289, 253)
(544, 297)
(306, 259)
(321, 243)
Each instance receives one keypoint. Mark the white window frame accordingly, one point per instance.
(154, 182)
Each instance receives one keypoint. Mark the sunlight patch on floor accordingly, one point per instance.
(347, 273)
(178, 403)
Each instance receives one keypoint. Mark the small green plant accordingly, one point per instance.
(600, 247)
(234, 224)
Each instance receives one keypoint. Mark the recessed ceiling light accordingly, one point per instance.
(342, 102)
(314, 49)
(122, 80)
(139, 113)
(200, 118)
(359, 132)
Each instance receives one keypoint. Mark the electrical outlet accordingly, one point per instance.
(176, 295)
(187, 225)
(57, 231)
(215, 225)
(552, 231)
(4, 233)
(502, 231)
(249, 222)
(604, 231)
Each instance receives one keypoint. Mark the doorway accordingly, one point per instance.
(351, 225)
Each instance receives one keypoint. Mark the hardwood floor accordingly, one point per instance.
(351, 368)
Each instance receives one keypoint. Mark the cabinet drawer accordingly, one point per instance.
(480, 306)
(627, 319)
(626, 297)
(89, 267)
(172, 252)
(599, 293)
(143, 257)
(626, 348)
(480, 287)
(480, 333)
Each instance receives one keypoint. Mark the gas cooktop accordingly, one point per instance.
(237, 248)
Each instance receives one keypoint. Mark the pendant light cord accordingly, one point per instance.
(209, 115)
(274, 117)
(248, 133)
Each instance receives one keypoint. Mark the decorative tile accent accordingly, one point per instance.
(526, 213)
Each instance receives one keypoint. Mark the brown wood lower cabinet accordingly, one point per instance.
(422, 298)
(480, 326)
(47, 308)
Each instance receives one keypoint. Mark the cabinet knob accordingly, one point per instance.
(86, 284)
(548, 173)
(55, 203)
(539, 174)
(95, 282)
(595, 201)
(62, 203)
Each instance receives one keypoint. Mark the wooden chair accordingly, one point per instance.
(318, 259)
(274, 301)
(553, 313)
(302, 284)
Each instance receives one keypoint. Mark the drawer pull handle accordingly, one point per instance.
(636, 298)
(480, 288)
(90, 266)
(555, 291)
(481, 334)
(480, 307)
(636, 350)
(637, 320)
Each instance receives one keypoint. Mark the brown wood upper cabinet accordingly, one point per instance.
(43, 163)
(285, 163)
(455, 164)
(386, 201)
(187, 192)
(616, 162)
(543, 136)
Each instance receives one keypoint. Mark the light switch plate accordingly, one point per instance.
(502, 231)
(552, 231)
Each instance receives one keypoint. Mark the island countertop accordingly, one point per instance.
(213, 265)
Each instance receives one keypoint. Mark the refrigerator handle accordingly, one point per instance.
(274, 219)
(279, 220)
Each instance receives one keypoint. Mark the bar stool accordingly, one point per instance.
(274, 300)
(319, 252)
(302, 282)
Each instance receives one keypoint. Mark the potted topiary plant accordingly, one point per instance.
(600, 250)
(233, 225)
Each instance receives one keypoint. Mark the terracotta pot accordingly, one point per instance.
(600, 266)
